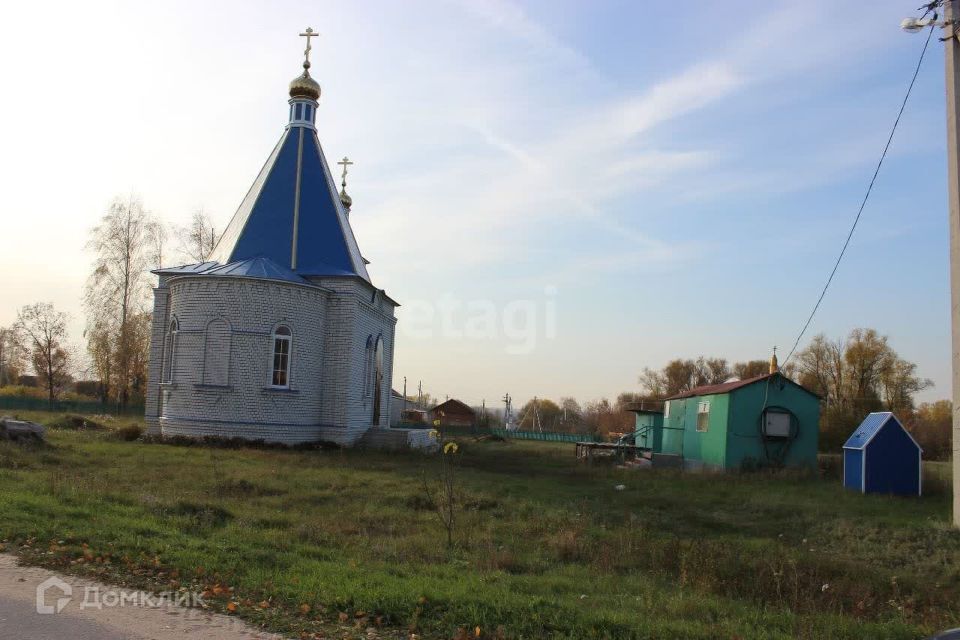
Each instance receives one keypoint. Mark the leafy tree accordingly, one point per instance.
(932, 426)
(125, 244)
(45, 330)
(854, 376)
(548, 411)
(12, 354)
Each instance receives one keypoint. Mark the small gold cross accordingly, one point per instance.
(309, 33)
(346, 162)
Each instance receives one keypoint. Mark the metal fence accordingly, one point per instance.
(543, 436)
(67, 406)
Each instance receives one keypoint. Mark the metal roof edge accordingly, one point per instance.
(308, 285)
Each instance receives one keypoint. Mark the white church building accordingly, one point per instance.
(281, 336)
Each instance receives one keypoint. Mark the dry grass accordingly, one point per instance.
(544, 548)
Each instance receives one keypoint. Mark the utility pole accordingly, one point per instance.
(952, 50)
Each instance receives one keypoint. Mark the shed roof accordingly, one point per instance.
(733, 385)
(644, 406)
(870, 427)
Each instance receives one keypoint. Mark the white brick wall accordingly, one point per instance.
(220, 385)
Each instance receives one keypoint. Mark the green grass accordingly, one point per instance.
(334, 541)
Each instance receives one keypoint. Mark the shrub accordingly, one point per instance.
(128, 433)
(198, 517)
(22, 391)
(935, 482)
(831, 466)
(245, 489)
(75, 422)
(14, 456)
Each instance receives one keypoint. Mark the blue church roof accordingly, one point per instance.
(186, 269)
(293, 214)
(870, 427)
(259, 267)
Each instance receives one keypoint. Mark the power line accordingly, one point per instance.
(866, 197)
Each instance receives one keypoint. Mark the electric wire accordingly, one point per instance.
(866, 197)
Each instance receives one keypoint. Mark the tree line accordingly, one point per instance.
(127, 243)
(853, 376)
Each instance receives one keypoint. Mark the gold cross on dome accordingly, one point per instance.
(309, 33)
(346, 162)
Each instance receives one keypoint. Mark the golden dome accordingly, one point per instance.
(346, 199)
(303, 86)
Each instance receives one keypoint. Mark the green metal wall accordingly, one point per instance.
(746, 404)
(680, 435)
(649, 432)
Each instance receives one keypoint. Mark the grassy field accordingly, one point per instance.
(332, 543)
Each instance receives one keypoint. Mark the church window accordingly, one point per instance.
(216, 353)
(367, 366)
(377, 380)
(299, 111)
(281, 357)
(169, 350)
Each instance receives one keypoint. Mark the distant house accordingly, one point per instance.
(764, 420)
(27, 381)
(453, 413)
(882, 457)
(397, 402)
(407, 413)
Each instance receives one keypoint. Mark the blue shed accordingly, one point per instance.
(882, 457)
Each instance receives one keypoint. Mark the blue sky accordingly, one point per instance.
(660, 179)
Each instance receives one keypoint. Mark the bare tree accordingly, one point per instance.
(198, 238)
(125, 243)
(750, 369)
(714, 370)
(158, 246)
(45, 329)
(11, 355)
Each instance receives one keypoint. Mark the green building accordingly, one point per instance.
(648, 432)
(761, 421)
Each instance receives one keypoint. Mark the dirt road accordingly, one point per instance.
(85, 610)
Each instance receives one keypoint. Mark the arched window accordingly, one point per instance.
(281, 357)
(377, 380)
(368, 367)
(216, 353)
(169, 351)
